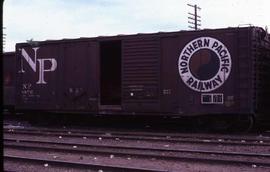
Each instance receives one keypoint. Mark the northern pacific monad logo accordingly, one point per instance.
(204, 64)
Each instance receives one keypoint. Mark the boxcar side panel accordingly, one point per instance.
(176, 73)
(202, 73)
(37, 69)
(77, 73)
(169, 75)
(141, 74)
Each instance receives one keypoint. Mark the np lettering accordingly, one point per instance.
(51, 64)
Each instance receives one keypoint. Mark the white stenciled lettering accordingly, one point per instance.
(42, 69)
(32, 63)
(41, 61)
(224, 69)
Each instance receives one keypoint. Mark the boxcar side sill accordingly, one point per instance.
(110, 107)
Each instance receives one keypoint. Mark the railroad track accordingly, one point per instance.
(143, 151)
(131, 151)
(165, 137)
(79, 165)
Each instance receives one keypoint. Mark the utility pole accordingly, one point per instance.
(4, 38)
(195, 19)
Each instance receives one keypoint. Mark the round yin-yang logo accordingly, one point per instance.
(204, 64)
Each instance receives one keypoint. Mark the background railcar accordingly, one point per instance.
(185, 73)
(9, 75)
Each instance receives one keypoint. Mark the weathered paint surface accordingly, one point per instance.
(9, 79)
(174, 73)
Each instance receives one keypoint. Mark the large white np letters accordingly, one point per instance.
(33, 64)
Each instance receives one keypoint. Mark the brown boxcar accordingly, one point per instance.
(185, 73)
(9, 79)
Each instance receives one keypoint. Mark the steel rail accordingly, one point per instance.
(135, 148)
(165, 139)
(162, 153)
(149, 134)
(82, 164)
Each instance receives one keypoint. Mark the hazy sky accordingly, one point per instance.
(56, 19)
